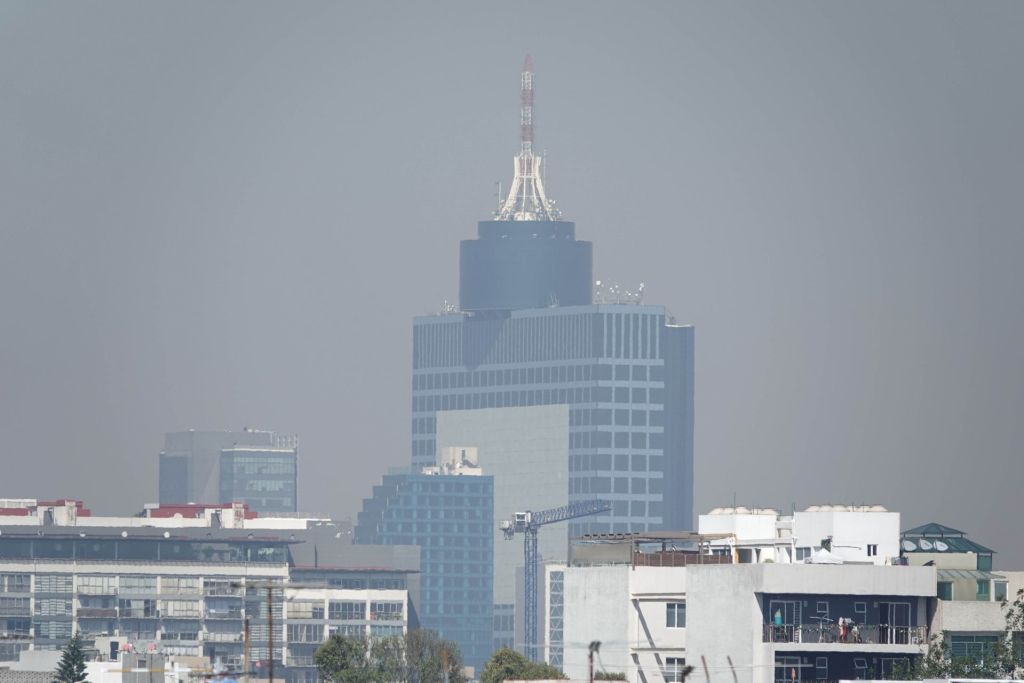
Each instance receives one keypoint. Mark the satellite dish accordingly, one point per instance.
(925, 545)
(909, 546)
(941, 546)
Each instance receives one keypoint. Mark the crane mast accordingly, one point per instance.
(528, 524)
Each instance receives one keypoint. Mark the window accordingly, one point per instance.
(14, 583)
(346, 610)
(1000, 592)
(53, 583)
(675, 615)
(802, 554)
(971, 646)
(674, 668)
(861, 610)
(386, 611)
(305, 633)
(822, 607)
(821, 668)
(944, 590)
(872, 549)
(983, 589)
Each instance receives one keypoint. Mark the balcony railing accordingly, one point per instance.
(869, 634)
(15, 635)
(299, 660)
(108, 612)
(128, 613)
(223, 614)
(223, 637)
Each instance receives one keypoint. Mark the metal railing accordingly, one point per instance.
(223, 637)
(223, 614)
(109, 612)
(855, 634)
(299, 660)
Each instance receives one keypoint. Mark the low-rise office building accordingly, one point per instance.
(192, 590)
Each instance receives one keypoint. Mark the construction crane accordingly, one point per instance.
(528, 524)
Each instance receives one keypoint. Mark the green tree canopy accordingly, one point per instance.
(344, 660)
(1001, 659)
(71, 667)
(507, 664)
(419, 656)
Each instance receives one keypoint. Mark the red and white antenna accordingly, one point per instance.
(526, 199)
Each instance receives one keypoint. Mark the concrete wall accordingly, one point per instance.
(724, 619)
(597, 604)
(851, 532)
(944, 560)
(527, 452)
(651, 640)
(960, 616)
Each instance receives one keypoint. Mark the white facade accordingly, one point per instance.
(653, 620)
(867, 534)
(68, 513)
(859, 533)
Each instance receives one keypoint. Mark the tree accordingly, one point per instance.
(417, 657)
(1000, 659)
(344, 660)
(507, 664)
(71, 668)
(609, 676)
(432, 659)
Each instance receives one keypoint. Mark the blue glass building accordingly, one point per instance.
(624, 370)
(528, 333)
(451, 518)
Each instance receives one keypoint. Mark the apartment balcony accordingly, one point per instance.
(220, 591)
(15, 635)
(104, 612)
(223, 637)
(224, 614)
(15, 611)
(299, 660)
(865, 638)
(127, 613)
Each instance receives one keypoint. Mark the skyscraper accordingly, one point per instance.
(449, 514)
(256, 467)
(529, 333)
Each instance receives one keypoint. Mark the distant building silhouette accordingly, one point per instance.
(259, 468)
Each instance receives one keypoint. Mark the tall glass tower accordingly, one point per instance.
(528, 333)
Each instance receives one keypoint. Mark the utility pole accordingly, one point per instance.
(270, 632)
(245, 650)
(595, 646)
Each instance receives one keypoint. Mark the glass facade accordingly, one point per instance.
(625, 372)
(266, 479)
(451, 519)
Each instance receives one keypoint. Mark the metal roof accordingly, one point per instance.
(933, 529)
(947, 544)
(967, 574)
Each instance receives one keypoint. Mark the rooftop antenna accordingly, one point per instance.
(527, 200)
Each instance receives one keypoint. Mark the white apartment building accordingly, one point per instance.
(751, 623)
(848, 533)
(186, 590)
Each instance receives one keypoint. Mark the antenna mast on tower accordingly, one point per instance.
(526, 199)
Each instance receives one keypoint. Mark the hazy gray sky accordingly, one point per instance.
(223, 214)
